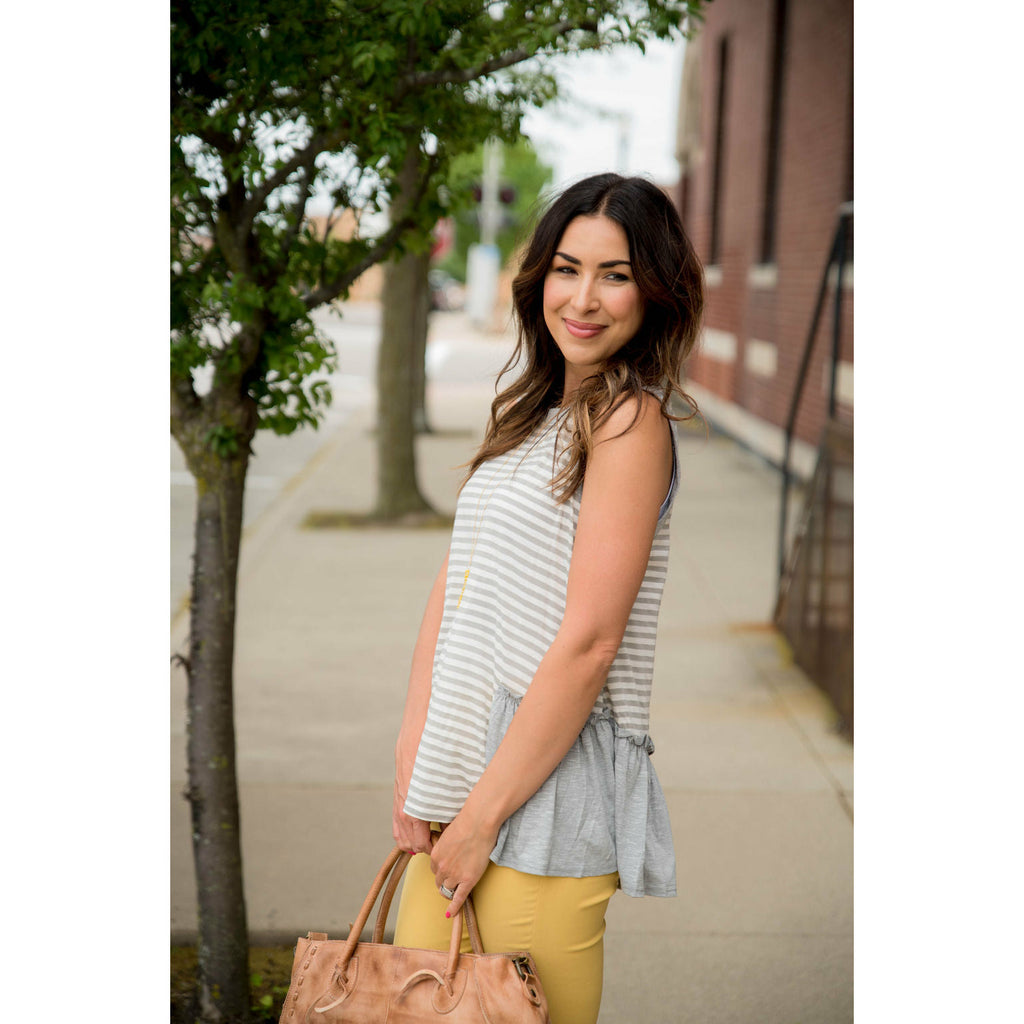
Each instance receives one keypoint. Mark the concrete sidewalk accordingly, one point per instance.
(759, 787)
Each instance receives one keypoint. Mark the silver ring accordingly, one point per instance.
(446, 892)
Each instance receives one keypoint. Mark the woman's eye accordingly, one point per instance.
(570, 271)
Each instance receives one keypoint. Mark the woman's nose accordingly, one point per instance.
(586, 294)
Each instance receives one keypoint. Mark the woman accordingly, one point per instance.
(525, 728)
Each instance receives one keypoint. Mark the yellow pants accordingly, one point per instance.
(559, 921)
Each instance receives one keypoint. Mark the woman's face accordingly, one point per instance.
(592, 305)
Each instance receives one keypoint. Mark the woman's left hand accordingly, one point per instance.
(460, 857)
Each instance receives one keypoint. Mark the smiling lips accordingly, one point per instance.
(582, 330)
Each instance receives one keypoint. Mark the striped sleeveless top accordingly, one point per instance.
(602, 810)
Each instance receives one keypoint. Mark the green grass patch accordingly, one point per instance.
(325, 519)
(270, 969)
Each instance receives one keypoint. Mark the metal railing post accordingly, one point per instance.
(836, 254)
(845, 212)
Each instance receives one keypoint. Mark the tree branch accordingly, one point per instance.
(248, 342)
(377, 254)
(203, 201)
(305, 157)
(298, 211)
(506, 60)
(185, 403)
(380, 251)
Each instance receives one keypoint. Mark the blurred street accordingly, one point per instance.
(759, 786)
(453, 357)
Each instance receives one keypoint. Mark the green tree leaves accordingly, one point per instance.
(271, 97)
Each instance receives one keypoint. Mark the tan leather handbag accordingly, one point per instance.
(353, 982)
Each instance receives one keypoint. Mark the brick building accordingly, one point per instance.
(765, 146)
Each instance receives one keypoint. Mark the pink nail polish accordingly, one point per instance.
(447, 913)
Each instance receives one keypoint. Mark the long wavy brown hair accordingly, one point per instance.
(670, 280)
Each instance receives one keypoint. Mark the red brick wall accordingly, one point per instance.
(814, 145)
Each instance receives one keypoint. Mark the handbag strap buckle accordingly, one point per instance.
(527, 977)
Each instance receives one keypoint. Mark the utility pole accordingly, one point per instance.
(483, 262)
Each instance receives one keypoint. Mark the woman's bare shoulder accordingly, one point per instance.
(639, 415)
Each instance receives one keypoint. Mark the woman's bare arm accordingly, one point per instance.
(626, 481)
(411, 833)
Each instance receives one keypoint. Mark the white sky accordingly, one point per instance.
(573, 139)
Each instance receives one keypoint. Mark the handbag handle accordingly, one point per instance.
(394, 866)
(389, 894)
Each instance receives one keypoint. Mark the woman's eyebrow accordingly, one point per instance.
(601, 266)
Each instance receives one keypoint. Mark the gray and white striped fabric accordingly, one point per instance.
(516, 542)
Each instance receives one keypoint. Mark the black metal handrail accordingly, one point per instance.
(836, 255)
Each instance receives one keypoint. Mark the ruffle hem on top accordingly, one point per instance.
(601, 810)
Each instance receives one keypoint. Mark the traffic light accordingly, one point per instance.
(506, 194)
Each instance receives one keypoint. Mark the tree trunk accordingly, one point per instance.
(398, 492)
(223, 948)
(419, 338)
